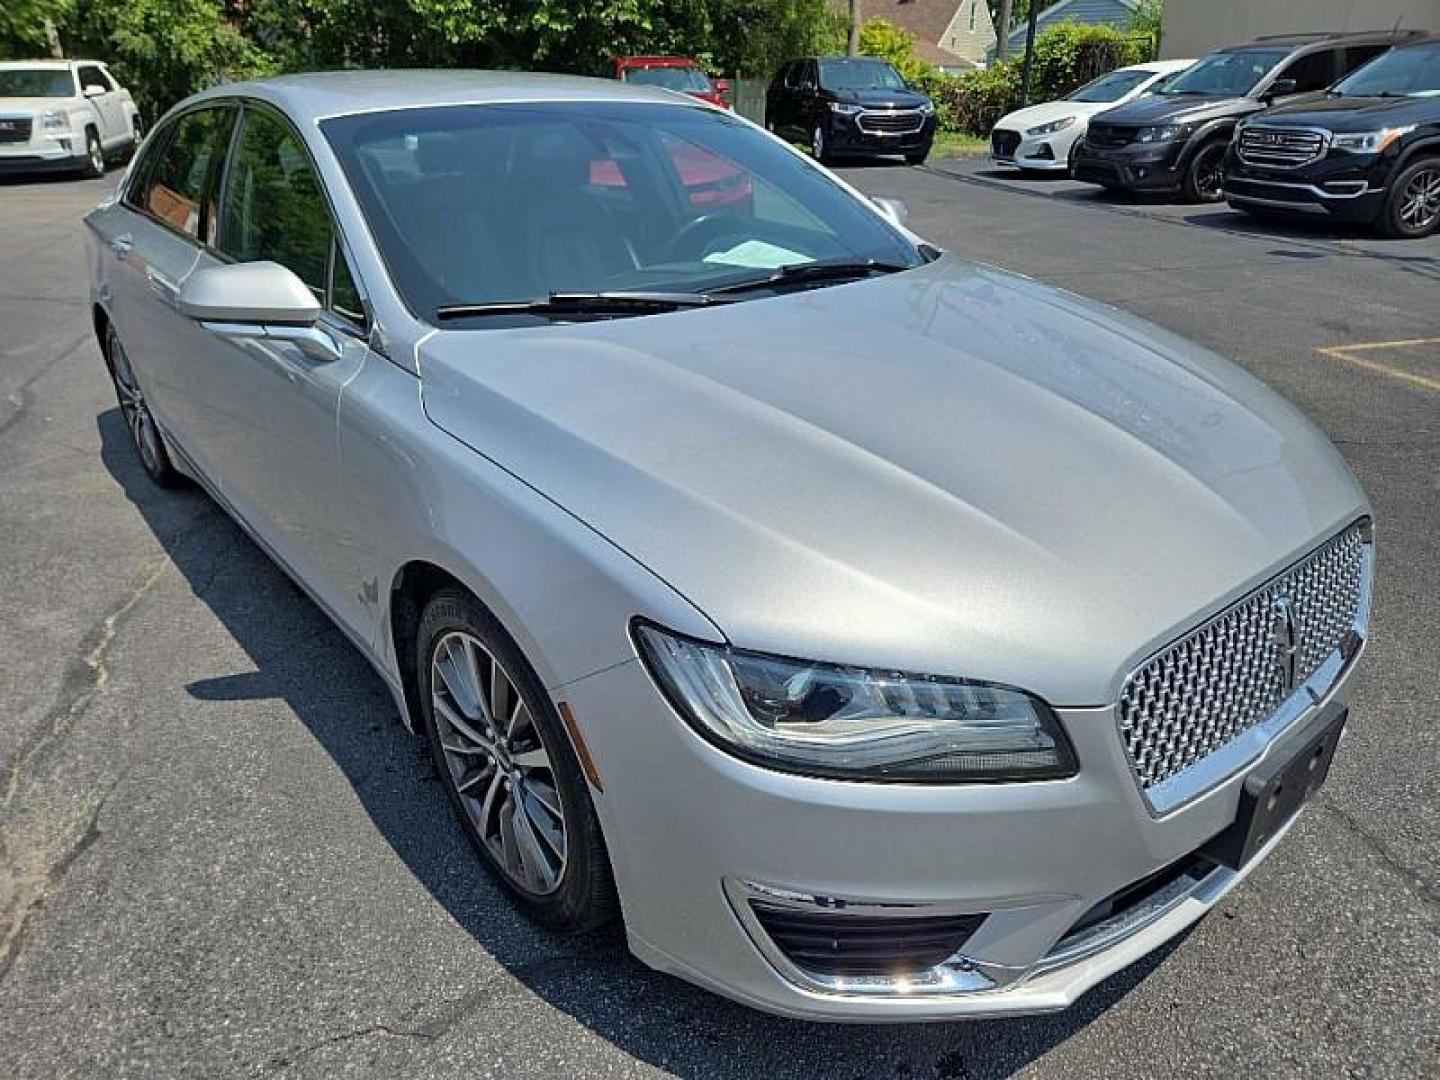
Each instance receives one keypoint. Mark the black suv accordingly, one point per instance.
(1367, 151)
(850, 104)
(1175, 139)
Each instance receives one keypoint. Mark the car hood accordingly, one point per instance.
(951, 470)
(882, 99)
(1355, 113)
(1035, 115)
(1178, 109)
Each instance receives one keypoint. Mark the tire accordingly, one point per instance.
(1412, 209)
(552, 864)
(94, 164)
(144, 432)
(137, 133)
(918, 157)
(1205, 173)
(820, 146)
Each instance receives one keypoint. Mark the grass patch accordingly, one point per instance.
(958, 144)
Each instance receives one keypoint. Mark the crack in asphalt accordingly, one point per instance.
(21, 398)
(383, 1030)
(33, 889)
(91, 682)
(1427, 889)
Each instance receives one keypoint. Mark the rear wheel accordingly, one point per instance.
(144, 432)
(917, 157)
(1412, 209)
(508, 766)
(1205, 177)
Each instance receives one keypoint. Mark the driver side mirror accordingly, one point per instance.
(894, 210)
(259, 300)
(722, 86)
(1281, 88)
(94, 90)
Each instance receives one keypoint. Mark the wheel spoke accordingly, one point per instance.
(487, 808)
(509, 851)
(519, 719)
(532, 858)
(532, 759)
(461, 725)
(479, 773)
(470, 673)
(546, 796)
(499, 703)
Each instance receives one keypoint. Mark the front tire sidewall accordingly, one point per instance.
(1391, 224)
(162, 472)
(94, 164)
(585, 895)
(820, 145)
(1192, 174)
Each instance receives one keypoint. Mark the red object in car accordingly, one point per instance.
(678, 73)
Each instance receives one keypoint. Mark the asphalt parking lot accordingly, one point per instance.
(220, 854)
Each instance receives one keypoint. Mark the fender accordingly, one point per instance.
(1224, 127)
(1426, 145)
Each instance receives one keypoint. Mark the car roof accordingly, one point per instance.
(1299, 42)
(318, 95)
(1159, 66)
(48, 63)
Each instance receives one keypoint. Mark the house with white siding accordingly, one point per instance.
(1116, 13)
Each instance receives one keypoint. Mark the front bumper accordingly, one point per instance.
(1136, 167)
(1338, 188)
(43, 154)
(1038, 153)
(848, 135)
(694, 834)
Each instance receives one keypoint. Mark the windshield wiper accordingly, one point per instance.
(795, 273)
(567, 304)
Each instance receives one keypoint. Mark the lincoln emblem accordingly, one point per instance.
(1285, 638)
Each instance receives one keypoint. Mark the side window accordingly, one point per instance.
(811, 78)
(1357, 55)
(1313, 72)
(92, 77)
(791, 75)
(273, 208)
(179, 188)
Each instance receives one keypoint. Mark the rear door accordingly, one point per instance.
(168, 224)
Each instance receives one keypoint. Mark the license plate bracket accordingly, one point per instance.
(1276, 789)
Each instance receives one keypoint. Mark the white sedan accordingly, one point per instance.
(1042, 137)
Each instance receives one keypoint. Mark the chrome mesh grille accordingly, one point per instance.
(1203, 691)
(1285, 148)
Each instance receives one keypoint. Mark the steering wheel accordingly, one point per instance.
(696, 237)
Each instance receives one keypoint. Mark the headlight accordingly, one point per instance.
(59, 120)
(844, 109)
(927, 109)
(1163, 133)
(855, 723)
(1052, 127)
(1368, 142)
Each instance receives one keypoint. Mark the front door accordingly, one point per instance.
(101, 92)
(272, 408)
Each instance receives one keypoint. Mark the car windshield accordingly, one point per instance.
(859, 74)
(489, 204)
(1412, 72)
(1226, 74)
(689, 80)
(36, 82)
(1110, 87)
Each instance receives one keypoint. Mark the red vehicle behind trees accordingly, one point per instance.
(678, 73)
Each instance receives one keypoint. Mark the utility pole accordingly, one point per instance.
(1028, 69)
(1002, 29)
(852, 43)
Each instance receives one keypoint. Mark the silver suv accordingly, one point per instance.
(883, 635)
(63, 114)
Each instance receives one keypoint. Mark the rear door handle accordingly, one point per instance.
(121, 245)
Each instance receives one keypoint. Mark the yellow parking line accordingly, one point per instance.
(1345, 353)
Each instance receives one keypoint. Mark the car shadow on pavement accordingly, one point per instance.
(300, 658)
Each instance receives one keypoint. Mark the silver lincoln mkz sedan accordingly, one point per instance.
(881, 635)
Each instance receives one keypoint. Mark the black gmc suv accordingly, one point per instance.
(1175, 139)
(850, 104)
(1366, 151)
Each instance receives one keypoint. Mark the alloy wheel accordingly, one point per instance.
(497, 763)
(817, 144)
(1420, 201)
(138, 420)
(1210, 173)
(97, 156)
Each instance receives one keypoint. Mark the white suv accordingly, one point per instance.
(58, 114)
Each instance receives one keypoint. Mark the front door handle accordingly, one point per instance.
(121, 245)
(162, 286)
